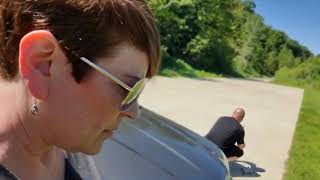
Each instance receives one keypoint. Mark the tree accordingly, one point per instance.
(286, 58)
(224, 36)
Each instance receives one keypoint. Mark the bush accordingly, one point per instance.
(306, 74)
(173, 67)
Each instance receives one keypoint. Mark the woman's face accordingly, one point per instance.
(80, 116)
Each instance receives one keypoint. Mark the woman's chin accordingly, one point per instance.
(92, 150)
(96, 147)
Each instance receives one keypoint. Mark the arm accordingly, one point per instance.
(240, 141)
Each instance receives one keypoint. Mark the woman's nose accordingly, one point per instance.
(132, 112)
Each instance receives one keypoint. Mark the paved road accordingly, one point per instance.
(272, 112)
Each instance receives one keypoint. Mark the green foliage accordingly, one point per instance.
(224, 36)
(304, 161)
(211, 55)
(173, 67)
(181, 68)
(286, 58)
(306, 74)
(198, 32)
(298, 50)
(264, 49)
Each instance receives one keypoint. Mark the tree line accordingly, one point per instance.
(225, 37)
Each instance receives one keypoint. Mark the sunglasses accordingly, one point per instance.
(133, 92)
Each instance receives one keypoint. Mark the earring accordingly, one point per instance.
(34, 108)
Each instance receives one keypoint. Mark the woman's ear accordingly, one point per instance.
(36, 51)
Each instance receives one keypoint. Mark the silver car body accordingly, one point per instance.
(154, 148)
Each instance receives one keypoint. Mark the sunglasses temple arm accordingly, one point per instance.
(105, 73)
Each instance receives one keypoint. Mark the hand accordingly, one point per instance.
(241, 146)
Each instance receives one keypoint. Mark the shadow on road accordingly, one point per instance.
(206, 79)
(245, 169)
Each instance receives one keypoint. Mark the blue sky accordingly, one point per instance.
(300, 19)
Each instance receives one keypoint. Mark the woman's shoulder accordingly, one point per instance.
(77, 167)
(5, 174)
(83, 165)
(70, 173)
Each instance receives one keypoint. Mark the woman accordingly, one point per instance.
(70, 70)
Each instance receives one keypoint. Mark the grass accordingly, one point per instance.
(180, 68)
(187, 73)
(304, 159)
(304, 156)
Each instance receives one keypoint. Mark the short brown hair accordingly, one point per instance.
(84, 28)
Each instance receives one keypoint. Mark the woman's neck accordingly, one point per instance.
(22, 150)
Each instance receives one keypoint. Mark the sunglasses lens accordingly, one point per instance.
(134, 93)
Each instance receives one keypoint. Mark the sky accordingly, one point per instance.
(299, 19)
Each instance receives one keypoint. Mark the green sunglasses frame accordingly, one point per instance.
(133, 92)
